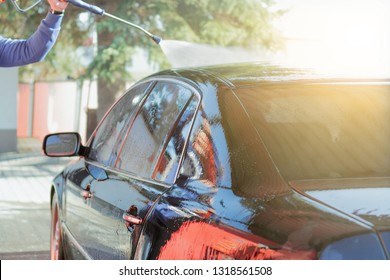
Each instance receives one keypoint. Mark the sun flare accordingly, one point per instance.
(349, 38)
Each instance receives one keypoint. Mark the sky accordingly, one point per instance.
(343, 37)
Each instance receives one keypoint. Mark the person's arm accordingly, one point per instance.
(22, 52)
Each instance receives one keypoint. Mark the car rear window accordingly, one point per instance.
(316, 131)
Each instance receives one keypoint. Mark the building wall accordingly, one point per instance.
(55, 106)
(23, 128)
(8, 112)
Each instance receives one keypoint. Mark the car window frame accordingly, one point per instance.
(196, 93)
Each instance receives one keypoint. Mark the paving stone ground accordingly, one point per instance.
(25, 178)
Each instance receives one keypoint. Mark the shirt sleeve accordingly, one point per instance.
(22, 52)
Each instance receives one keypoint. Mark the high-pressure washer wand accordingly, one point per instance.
(99, 11)
(19, 9)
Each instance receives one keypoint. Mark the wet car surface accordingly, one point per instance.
(229, 162)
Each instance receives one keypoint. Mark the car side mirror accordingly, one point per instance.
(62, 144)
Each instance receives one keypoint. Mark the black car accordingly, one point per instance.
(229, 162)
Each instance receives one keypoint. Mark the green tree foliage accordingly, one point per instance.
(245, 23)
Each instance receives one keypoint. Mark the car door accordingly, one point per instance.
(120, 204)
(75, 209)
(81, 175)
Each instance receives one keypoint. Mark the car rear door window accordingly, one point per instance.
(201, 162)
(152, 127)
(169, 160)
(113, 125)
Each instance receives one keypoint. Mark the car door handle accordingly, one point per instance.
(86, 194)
(132, 220)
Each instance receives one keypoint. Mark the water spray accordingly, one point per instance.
(99, 11)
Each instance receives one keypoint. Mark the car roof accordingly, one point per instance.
(255, 73)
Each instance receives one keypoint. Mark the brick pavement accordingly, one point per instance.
(25, 178)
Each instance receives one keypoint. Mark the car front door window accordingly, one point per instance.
(113, 126)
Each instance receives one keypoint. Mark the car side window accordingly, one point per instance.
(113, 125)
(169, 160)
(152, 127)
(200, 161)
